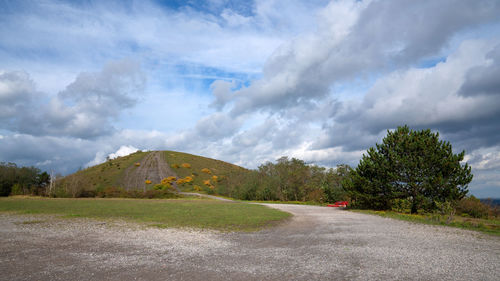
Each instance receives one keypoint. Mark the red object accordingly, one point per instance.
(339, 204)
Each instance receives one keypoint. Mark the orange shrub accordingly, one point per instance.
(175, 166)
(186, 165)
(147, 181)
(166, 181)
(180, 181)
(205, 170)
(215, 178)
(171, 179)
(207, 182)
(188, 179)
(137, 164)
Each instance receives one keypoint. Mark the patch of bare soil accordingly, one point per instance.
(153, 167)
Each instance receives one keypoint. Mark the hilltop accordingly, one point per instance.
(143, 171)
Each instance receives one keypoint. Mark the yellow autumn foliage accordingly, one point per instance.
(188, 179)
(206, 170)
(207, 182)
(215, 178)
(147, 181)
(166, 181)
(137, 164)
(180, 181)
(171, 179)
(186, 165)
(175, 166)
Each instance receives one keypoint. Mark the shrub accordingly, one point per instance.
(171, 179)
(206, 171)
(186, 165)
(445, 209)
(137, 164)
(86, 193)
(147, 182)
(473, 207)
(215, 178)
(175, 166)
(207, 182)
(401, 205)
(17, 189)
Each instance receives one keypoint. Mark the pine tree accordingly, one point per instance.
(412, 165)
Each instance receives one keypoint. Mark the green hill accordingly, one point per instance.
(142, 171)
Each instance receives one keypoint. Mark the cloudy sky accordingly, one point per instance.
(247, 81)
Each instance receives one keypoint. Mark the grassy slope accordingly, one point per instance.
(218, 168)
(109, 174)
(490, 226)
(210, 214)
(103, 175)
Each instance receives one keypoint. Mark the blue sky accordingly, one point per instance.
(247, 81)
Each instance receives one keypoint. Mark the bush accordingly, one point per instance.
(473, 207)
(401, 205)
(17, 189)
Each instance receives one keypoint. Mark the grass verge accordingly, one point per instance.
(489, 226)
(202, 214)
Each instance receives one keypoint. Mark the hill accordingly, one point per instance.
(143, 171)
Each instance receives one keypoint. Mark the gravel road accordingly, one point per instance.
(318, 243)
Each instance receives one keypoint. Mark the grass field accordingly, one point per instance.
(194, 213)
(490, 226)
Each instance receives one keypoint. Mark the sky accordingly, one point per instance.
(247, 81)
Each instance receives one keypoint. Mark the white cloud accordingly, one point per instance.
(85, 109)
(124, 150)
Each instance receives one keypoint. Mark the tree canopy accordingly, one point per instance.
(21, 180)
(410, 165)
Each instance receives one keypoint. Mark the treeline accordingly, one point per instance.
(288, 180)
(16, 180)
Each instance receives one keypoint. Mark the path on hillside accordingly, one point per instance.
(152, 167)
(318, 243)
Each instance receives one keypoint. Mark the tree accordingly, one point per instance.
(410, 165)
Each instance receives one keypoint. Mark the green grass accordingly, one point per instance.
(203, 214)
(489, 226)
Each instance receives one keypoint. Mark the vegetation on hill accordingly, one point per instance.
(201, 174)
(89, 181)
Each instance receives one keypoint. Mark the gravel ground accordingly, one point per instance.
(317, 243)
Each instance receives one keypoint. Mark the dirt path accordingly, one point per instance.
(318, 243)
(207, 196)
(152, 167)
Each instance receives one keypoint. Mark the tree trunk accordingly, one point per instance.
(414, 206)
